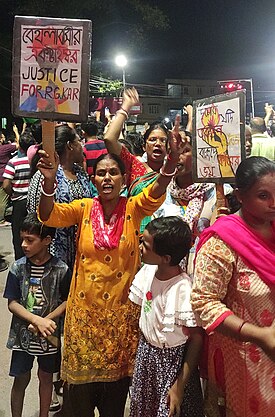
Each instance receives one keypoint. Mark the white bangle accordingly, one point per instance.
(124, 112)
(48, 194)
(165, 174)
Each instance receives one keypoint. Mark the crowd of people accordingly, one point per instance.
(125, 282)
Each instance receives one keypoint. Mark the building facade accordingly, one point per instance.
(159, 102)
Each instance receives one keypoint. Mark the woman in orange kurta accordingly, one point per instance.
(101, 325)
(234, 298)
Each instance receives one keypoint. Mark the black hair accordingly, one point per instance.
(127, 145)
(137, 143)
(272, 129)
(34, 161)
(36, 130)
(232, 202)
(26, 139)
(251, 170)
(63, 134)
(10, 138)
(32, 225)
(90, 127)
(155, 126)
(172, 236)
(115, 158)
(79, 131)
(258, 124)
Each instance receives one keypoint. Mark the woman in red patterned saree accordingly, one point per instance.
(234, 298)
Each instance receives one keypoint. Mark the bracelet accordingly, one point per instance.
(47, 194)
(241, 326)
(165, 174)
(121, 108)
(124, 112)
(223, 210)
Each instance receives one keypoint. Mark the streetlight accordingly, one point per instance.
(121, 61)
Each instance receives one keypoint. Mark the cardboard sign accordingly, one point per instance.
(219, 137)
(51, 68)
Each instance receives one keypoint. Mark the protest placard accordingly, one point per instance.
(219, 137)
(51, 68)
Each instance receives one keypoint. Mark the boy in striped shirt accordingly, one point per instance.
(37, 288)
(16, 178)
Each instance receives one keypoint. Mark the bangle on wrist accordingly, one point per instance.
(166, 174)
(121, 108)
(223, 210)
(241, 326)
(124, 112)
(48, 194)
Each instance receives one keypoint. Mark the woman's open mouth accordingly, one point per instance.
(107, 188)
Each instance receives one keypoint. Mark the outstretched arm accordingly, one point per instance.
(16, 134)
(268, 113)
(130, 98)
(48, 169)
(264, 337)
(189, 111)
(169, 168)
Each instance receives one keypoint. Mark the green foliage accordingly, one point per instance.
(112, 88)
(152, 16)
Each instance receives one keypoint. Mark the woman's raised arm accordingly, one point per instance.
(169, 168)
(48, 170)
(130, 98)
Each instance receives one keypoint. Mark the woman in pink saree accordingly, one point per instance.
(234, 298)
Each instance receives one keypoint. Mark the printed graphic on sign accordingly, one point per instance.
(219, 139)
(51, 68)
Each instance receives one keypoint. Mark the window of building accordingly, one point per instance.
(185, 91)
(153, 108)
(174, 90)
(199, 90)
(212, 90)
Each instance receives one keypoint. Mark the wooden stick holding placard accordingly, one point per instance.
(221, 202)
(48, 138)
(221, 207)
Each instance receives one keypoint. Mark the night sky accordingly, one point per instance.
(215, 39)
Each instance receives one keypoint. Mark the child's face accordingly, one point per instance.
(148, 255)
(33, 246)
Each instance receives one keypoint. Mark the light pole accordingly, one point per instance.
(121, 61)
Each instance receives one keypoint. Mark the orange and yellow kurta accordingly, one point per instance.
(101, 324)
